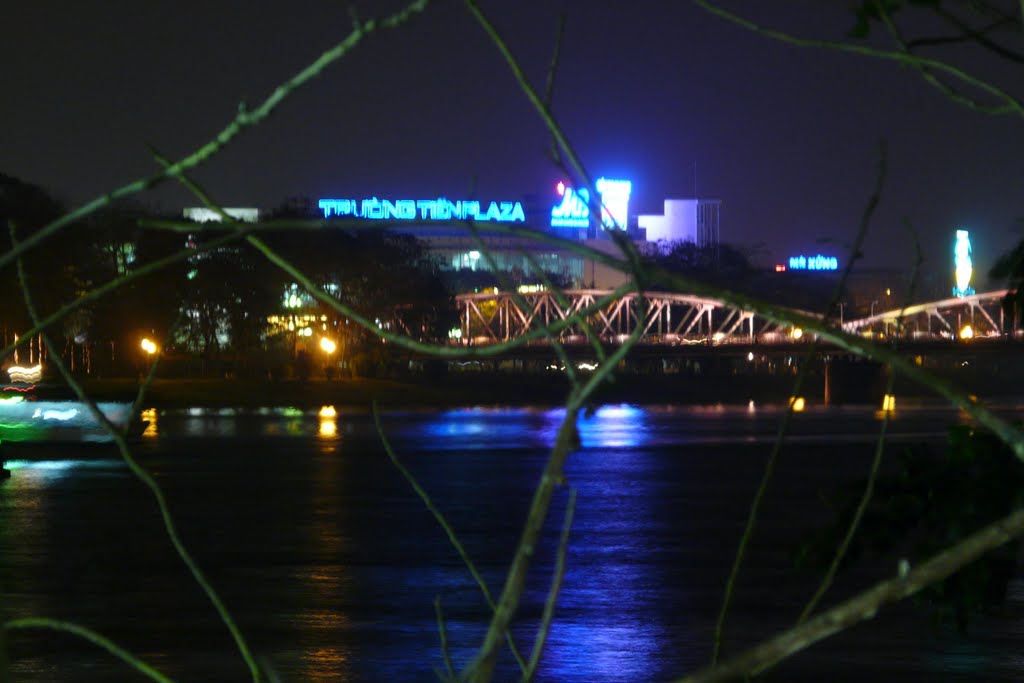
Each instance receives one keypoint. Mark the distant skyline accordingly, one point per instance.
(663, 94)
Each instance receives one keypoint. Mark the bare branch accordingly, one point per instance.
(865, 605)
(1007, 103)
(926, 73)
(442, 631)
(482, 668)
(93, 637)
(442, 521)
(556, 586)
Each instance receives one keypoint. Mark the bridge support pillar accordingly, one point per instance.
(854, 380)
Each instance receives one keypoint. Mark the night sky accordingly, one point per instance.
(786, 137)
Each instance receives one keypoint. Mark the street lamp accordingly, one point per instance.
(328, 347)
(148, 346)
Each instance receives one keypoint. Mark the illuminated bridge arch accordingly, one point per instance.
(492, 318)
(982, 313)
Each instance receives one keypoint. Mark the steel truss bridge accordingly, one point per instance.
(680, 319)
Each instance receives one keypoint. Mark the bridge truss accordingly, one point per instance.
(983, 314)
(680, 319)
(490, 318)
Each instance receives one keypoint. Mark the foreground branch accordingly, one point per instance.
(865, 605)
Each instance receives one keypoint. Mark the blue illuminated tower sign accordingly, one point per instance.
(962, 267)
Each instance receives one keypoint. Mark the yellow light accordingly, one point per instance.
(149, 415)
(22, 375)
(148, 346)
(328, 412)
(327, 345)
(797, 333)
(888, 292)
(797, 403)
(889, 403)
(966, 332)
(328, 429)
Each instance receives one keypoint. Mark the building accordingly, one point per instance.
(685, 220)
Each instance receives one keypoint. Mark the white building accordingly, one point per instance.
(201, 214)
(685, 220)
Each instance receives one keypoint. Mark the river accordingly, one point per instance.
(331, 564)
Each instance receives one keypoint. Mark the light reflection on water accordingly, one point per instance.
(334, 563)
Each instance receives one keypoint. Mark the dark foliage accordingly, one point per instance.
(1010, 267)
(933, 502)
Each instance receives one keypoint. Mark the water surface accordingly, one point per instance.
(331, 564)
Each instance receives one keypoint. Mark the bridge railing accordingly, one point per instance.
(669, 318)
(673, 319)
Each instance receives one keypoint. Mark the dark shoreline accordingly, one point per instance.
(509, 389)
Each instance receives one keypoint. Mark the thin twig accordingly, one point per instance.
(556, 587)
(442, 632)
(560, 297)
(769, 468)
(482, 667)
(505, 284)
(627, 247)
(869, 487)
(442, 521)
(151, 374)
(866, 604)
(1010, 104)
(556, 53)
(93, 637)
(549, 88)
(862, 506)
(925, 72)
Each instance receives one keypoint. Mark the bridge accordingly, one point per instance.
(672, 319)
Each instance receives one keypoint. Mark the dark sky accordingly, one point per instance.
(787, 137)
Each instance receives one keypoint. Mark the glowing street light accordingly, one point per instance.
(327, 345)
(967, 332)
(148, 346)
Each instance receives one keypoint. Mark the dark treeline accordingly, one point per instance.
(226, 308)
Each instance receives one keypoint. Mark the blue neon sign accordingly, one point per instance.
(614, 202)
(818, 262)
(574, 209)
(439, 209)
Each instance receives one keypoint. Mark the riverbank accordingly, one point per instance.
(451, 391)
(468, 389)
